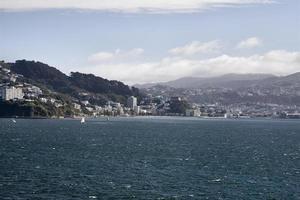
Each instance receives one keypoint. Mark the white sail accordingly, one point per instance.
(82, 120)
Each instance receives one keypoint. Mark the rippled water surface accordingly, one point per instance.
(149, 158)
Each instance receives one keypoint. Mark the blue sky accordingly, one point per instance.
(148, 46)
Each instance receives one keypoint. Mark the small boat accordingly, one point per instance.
(82, 120)
(107, 119)
(14, 121)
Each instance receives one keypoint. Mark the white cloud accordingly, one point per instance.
(117, 55)
(128, 6)
(280, 62)
(101, 56)
(197, 47)
(250, 43)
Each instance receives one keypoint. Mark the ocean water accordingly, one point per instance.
(149, 158)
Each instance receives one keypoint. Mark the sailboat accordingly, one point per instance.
(82, 120)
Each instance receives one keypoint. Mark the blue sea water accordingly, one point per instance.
(149, 158)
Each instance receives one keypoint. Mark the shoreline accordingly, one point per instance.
(148, 117)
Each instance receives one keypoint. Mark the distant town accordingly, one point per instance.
(21, 92)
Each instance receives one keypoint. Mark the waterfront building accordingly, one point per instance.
(192, 113)
(11, 93)
(120, 110)
(132, 102)
(136, 110)
(77, 106)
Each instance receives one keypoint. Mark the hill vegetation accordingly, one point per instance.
(100, 90)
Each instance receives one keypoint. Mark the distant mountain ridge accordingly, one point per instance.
(234, 89)
(227, 80)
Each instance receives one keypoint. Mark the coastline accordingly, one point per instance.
(147, 117)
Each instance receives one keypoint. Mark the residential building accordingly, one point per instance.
(192, 113)
(85, 102)
(132, 102)
(77, 106)
(43, 100)
(34, 91)
(136, 110)
(11, 93)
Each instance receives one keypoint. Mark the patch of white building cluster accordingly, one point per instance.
(11, 90)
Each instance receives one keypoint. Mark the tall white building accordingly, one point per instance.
(137, 110)
(10, 93)
(132, 102)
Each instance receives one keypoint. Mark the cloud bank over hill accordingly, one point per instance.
(130, 66)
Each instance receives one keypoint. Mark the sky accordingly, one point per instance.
(141, 41)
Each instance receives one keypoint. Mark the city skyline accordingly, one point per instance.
(141, 42)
